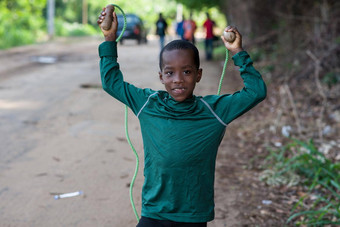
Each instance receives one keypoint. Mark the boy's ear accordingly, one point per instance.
(161, 77)
(199, 75)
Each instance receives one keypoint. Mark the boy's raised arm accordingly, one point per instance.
(111, 76)
(254, 90)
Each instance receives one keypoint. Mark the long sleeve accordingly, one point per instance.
(112, 79)
(231, 106)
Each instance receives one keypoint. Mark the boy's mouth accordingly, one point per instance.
(178, 90)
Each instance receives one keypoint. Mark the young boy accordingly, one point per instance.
(181, 132)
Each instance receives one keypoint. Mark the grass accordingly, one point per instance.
(300, 163)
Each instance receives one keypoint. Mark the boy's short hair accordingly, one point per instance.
(180, 45)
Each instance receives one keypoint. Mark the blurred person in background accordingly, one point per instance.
(161, 27)
(180, 28)
(209, 37)
(189, 27)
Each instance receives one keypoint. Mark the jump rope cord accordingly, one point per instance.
(223, 71)
(126, 118)
(127, 130)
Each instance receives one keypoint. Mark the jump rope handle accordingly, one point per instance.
(229, 36)
(107, 22)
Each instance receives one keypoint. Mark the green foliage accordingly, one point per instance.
(70, 11)
(76, 29)
(21, 22)
(303, 162)
(337, 40)
(63, 28)
(198, 5)
(331, 78)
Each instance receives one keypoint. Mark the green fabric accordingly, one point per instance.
(180, 139)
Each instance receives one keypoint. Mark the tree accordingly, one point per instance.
(50, 18)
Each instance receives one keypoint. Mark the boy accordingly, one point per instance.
(181, 132)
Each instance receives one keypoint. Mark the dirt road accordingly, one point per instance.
(60, 132)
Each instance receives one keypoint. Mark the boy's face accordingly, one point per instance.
(179, 73)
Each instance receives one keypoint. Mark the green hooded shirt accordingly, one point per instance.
(180, 139)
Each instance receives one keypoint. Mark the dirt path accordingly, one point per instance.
(61, 133)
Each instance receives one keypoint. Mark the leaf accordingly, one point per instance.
(336, 185)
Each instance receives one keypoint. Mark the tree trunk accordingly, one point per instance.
(253, 18)
(50, 18)
(85, 12)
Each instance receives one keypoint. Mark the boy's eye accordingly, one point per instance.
(187, 71)
(168, 73)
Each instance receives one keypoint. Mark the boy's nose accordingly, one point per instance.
(178, 78)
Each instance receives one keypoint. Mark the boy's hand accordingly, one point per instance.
(110, 35)
(236, 45)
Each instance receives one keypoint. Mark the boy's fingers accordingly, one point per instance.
(231, 29)
(100, 20)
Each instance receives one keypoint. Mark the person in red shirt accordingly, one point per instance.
(209, 38)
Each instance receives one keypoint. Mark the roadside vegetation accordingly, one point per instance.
(301, 165)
